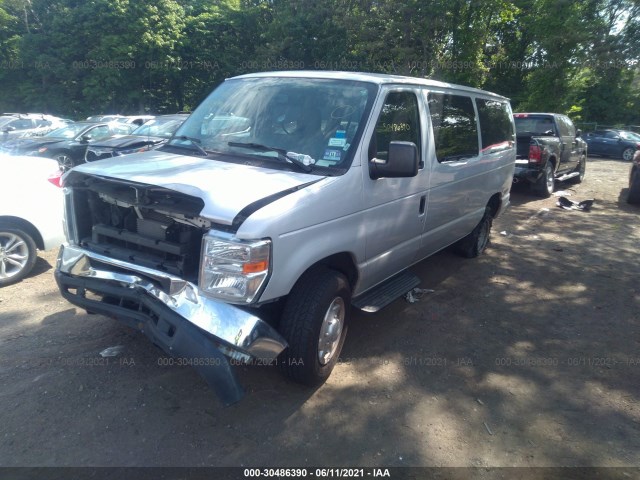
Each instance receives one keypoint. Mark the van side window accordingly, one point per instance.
(496, 127)
(455, 132)
(399, 121)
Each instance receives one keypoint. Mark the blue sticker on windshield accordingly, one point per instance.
(341, 134)
(332, 155)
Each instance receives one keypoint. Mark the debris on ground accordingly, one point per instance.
(584, 205)
(413, 296)
(563, 193)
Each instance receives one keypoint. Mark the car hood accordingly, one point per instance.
(124, 141)
(227, 189)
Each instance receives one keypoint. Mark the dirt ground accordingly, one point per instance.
(526, 356)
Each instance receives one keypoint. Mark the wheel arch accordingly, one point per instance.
(28, 228)
(342, 262)
(494, 204)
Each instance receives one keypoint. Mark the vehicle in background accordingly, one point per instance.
(68, 144)
(30, 213)
(17, 125)
(284, 199)
(148, 136)
(136, 119)
(550, 149)
(633, 196)
(105, 118)
(613, 143)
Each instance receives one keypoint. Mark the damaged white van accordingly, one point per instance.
(285, 200)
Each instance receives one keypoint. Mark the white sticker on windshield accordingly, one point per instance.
(337, 142)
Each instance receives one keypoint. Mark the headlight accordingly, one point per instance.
(39, 151)
(234, 270)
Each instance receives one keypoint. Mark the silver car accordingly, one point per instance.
(283, 201)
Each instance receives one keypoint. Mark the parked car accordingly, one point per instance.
(68, 144)
(105, 118)
(30, 214)
(17, 125)
(136, 119)
(253, 239)
(550, 150)
(633, 196)
(613, 143)
(153, 134)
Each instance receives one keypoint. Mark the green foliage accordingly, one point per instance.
(76, 58)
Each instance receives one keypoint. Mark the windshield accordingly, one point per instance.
(70, 131)
(630, 136)
(274, 119)
(159, 127)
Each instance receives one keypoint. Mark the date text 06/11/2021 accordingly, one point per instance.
(317, 472)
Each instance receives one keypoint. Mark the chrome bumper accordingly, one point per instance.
(239, 330)
(172, 313)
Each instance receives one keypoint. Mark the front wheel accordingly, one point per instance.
(627, 154)
(581, 169)
(17, 254)
(314, 323)
(65, 161)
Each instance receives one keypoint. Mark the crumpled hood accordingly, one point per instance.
(225, 188)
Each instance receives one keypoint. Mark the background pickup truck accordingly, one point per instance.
(550, 149)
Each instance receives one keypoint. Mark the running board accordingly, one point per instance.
(567, 176)
(385, 293)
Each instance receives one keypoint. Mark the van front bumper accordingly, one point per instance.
(172, 313)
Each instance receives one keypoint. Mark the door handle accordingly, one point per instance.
(423, 204)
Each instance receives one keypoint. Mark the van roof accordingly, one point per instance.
(377, 78)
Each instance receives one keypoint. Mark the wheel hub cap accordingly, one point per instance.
(13, 255)
(331, 331)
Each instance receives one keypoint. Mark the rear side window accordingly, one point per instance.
(399, 121)
(455, 132)
(496, 127)
(563, 129)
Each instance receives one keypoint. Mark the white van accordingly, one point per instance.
(300, 193)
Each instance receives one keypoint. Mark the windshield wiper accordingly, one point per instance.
(194, 141)
(282, 153)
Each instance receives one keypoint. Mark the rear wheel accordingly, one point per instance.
(546, 183)
(627, 154)
(17, 254)
(314, 323)
(476, 242)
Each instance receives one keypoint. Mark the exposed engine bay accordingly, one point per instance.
(150, 226)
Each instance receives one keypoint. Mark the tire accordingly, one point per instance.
(628, 153)
(17, 254)
(633, 197)
(546, 184)
(581, 168)
(64, 160)
(476, 242)
(318, 306)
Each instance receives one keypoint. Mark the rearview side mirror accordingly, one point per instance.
(402, 161)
